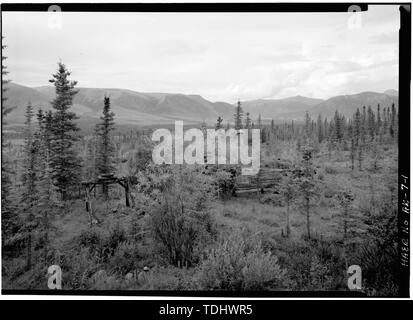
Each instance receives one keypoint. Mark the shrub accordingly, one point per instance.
(380, 269)
(13, 268)
(135, 230)
(320, 277)
(313, 265)
(227, 212)
(130, 256)
(77, 267)
(378, 256)
(104, 281)
(330, 170)
(224, 180)
(15, 275)
(90, 239)
(274, 199)
(329, 193)
(169, 278)
(117, 236)
(269, 222)
(124, 258)
(180, 218)
(101, 247)
(240, 263)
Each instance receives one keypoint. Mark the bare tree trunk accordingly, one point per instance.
(307, 207)
(258, 186)
(29, 251)
(105, 191)
(127, 194)
(46, 236)
(345, 229)
(89, 207)
(288, 220)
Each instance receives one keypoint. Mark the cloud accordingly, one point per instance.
(222, 57)
(385, 38)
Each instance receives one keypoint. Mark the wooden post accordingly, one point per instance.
(87, 198)
(258, 185)
(127, 193)
(88, 204)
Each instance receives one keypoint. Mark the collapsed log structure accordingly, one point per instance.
(264, 179)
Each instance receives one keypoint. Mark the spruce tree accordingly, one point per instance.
(338, 128)
(307, 126)
(4, 72)
(219, 123)
(320, 129)
(352, 145)
(393, 121)
(357, 127)
(371, 123)
(90, 167)
(360, 156)
(346, 215)
(307, 185)
(378, 124)
(289, 193)
(326, 129)
(45, 123)
(106, 150)
(385, 122)
(262, 131)
(8, 221)
(46, 194)
(248, 121)
(29, 164)
(204, 127)
(259, 121)
(64, 161)
(363, 130)
(29, 194)
(238, 116)
(388, 116)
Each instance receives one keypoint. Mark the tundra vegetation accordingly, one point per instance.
(334, 205)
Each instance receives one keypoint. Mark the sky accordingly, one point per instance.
(221, 56)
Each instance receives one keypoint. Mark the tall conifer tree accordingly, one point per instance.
(64, 161)
(320, 129)
(238, 116)
(219, 123)
(106, 150)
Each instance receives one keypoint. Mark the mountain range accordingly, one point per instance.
(138, 108)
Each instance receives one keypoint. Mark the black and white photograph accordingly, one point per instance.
(210, 152)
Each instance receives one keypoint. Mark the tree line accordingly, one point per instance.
(51, 164)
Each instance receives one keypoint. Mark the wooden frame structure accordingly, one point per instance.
(104, 180)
